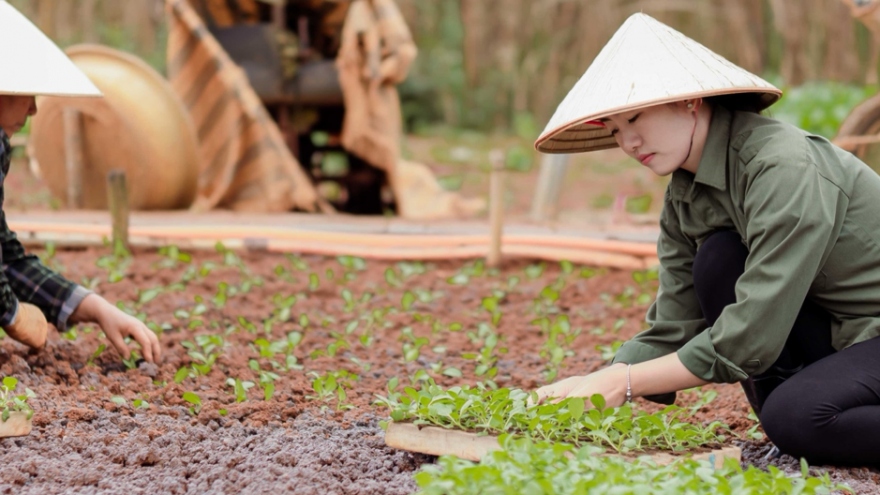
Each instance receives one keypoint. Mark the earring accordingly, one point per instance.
(690, 105)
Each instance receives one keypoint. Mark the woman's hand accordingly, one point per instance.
(117, 325)
(609, 382)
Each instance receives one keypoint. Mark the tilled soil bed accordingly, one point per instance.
(233, 323)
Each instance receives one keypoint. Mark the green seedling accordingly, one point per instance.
(283, 306)
(557, 346)
(352, 263)
(545, 302)
(491, 304)
(608, 351)
(49, 259)
(566, 267)
(296, 262)
(132, 361)
(704, 398)
(392, 278)
(229, 256)
(487, 340)
(587, 273)
(544, 468)
(331, 386)
(240, 388)
(204, 353)
(412, 345)
(644, 277)
(409, 269)
(752, 433)
(427, 296)
(534, 271)
(267, 383)
(363, 365)
(222, 295)
(14, 403)
(173, 256)
(283, 347)
(407, 300)
(95, 355)
(506, 410)
(282, 273)
(314, 282)
(195, 402)
(348, 299)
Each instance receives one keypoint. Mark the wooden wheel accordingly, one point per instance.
(860, 132)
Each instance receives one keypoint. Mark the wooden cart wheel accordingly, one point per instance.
(860, 132)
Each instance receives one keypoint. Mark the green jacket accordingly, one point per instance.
(809, 214)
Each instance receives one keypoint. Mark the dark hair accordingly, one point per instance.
(742, 102)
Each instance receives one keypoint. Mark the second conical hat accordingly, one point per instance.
(31, 64)
(645, 63)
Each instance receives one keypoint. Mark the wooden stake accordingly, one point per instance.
(73, 156)
(545, 204)
(117, 200)
(496, 208)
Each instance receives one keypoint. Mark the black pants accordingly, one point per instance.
(813, 402)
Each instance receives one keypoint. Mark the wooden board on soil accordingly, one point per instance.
(18, 425)
(433, 440)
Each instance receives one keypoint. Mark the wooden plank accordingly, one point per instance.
(439, 441)
(18, 425)
(351, 224)
(433, 440)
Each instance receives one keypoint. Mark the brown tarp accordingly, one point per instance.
(245, 163)
(375, 55)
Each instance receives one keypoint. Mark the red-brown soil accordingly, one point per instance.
(84, 442)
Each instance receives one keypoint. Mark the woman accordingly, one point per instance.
(30, 293)
(769, 246)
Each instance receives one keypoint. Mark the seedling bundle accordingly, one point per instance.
(466, 422)
(15, 418)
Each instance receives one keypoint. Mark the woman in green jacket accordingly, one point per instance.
(769, 246)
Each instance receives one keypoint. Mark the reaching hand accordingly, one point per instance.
(117, 325)
(609, 382)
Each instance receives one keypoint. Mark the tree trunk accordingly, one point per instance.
(46, 16)
(841, 53)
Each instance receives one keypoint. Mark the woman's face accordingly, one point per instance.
(14, 111)
(659, 137)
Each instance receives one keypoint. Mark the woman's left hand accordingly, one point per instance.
(609, 382)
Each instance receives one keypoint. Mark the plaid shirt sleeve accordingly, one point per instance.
(24, 277)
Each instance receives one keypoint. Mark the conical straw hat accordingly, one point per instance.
(645, 63)
(31, 64)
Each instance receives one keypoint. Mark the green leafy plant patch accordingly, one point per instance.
(14, 403)
(530, 467)
(486, 411)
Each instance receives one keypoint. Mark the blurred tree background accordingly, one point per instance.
(503, 65)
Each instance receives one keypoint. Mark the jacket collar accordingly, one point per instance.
(712, 170)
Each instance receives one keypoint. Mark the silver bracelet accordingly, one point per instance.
(629, 391)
